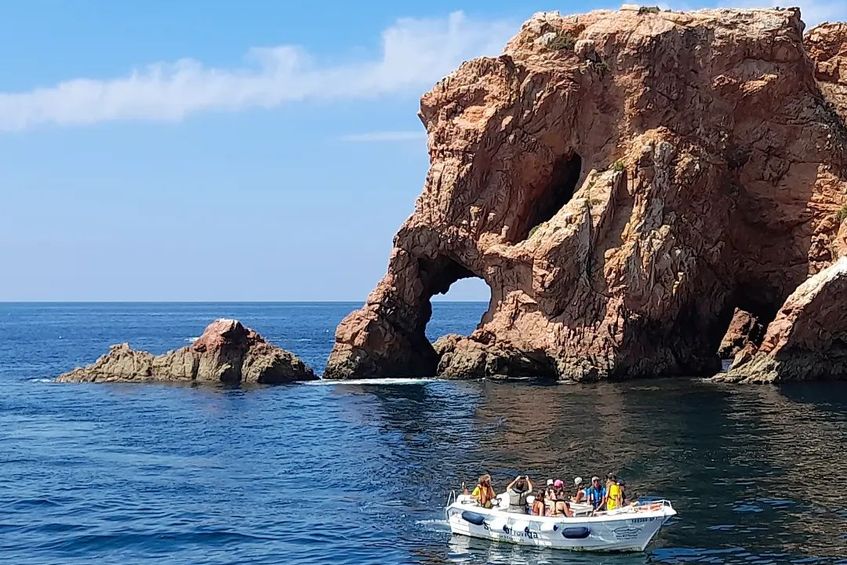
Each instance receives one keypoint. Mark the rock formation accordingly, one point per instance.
(227, 352)
(744, 329)
(827, 46)
(807, 339)
(623, 182)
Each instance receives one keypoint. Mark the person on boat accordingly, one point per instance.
(484, 492)
(613, 499)
(561, 507)
(550, 497)
(518, 490)
(558, 488)
(580, 490)
(539, 507)
(596, 494)
(622, 486)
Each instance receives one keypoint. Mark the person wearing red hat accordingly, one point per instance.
(562, 507)
(550, 498)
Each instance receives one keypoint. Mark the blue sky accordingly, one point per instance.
(223, 150)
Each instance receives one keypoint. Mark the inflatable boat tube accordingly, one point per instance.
(580, 532)
(473, 517)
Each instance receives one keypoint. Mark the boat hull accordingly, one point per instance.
(628, 530)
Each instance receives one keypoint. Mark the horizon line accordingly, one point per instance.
(208, 301)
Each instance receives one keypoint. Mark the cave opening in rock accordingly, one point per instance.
(556, 192)
(744, 319)
(456, 297)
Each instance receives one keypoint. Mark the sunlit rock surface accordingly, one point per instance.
(623, 181)
(227, 352)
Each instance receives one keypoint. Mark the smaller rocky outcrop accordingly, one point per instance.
(743, 329)
(227, 352)
(462, 357)
(808, 338)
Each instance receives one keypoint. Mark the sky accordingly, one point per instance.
(227, 151)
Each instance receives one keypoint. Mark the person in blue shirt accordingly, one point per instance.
(596, 494)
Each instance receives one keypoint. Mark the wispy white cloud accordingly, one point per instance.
(415, 54)
(378, 136)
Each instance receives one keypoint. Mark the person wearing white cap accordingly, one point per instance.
(580, 492)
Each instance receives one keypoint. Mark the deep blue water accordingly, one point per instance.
(358, 473)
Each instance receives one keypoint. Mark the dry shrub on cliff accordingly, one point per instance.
(563, 40)
(841, 215)
(533, 230)
(600, 66)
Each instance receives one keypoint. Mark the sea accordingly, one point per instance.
(359, 472)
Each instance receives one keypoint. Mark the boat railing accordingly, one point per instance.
(651, 501)
(451, 498)
(652, 504)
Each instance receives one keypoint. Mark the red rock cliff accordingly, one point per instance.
(623, 181)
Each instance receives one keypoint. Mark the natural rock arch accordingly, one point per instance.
(690, 154)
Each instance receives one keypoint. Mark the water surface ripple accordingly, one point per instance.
(358, 472)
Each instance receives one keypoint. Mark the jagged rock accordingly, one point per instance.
(465, 358)
(827, 46)
(743, 329)
(807, 339)
(227, 352)
(618, 207)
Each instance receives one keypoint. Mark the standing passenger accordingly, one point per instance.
(518, 490)
(613, 491)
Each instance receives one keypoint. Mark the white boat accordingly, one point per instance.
(629, 528)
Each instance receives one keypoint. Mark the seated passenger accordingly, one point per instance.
(538, 505)
(550, 498)
(518, 490)
(613, 491)
(596, 494)
(484, 492)
(562, 507)
(622, 485)
(580, 492)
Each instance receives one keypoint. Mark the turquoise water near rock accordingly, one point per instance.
(358, 472)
